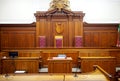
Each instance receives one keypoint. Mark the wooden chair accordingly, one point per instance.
(58, 42)
(42, 41)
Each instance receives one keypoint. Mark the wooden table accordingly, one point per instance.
(59, 65)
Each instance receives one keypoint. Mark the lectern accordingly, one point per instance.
(59, 65)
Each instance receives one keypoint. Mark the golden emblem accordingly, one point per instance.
(59, 28)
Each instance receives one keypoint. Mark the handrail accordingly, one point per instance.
(103, 71)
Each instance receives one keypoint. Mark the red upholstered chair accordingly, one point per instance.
(58, 41)
(78, 41)
(42, 41)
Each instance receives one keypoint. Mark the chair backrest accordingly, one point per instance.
(58, 41)
(78, 41)
(42, 41)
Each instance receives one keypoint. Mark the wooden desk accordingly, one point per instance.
(59, 65)
(107, 63)
(29, 64)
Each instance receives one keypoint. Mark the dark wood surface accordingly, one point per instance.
(59, 65)
(29, 64)
(24, 36)
(70, 24)
(70, 52)
(107, 63)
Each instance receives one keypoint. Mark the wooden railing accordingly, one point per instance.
(103, 71)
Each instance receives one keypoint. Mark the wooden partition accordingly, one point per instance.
(54, 53)
(70, 52)
(107, 63)
(29, 64)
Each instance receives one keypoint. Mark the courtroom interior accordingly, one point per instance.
(60, 46)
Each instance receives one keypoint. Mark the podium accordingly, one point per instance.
(59, 65)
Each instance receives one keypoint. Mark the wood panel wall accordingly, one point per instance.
(17, 36)
(48, 29)
(100, 35)
(24, 35)
(0, 38)
(54, 23)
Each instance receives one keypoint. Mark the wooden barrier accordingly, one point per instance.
(107, 63)
(29, 64)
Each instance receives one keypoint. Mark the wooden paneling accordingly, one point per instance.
(0, 39)
(54, 53)
(31, 65)
(69, 32)
(16, 36)
(60, 65)
(74, 53)
(0, 64)
(100, 35)
(29, 53)
(107, 63)
(66, 23)
(70, 52)
(117, 55)
(18, 39)
(26, 35)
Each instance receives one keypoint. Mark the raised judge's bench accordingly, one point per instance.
(107, 63)
(29, 64)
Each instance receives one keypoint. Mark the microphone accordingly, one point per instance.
(6, 75)
(75, 75)
(64, 78)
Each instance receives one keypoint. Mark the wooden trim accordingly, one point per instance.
(19, 25)
(100, 24)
